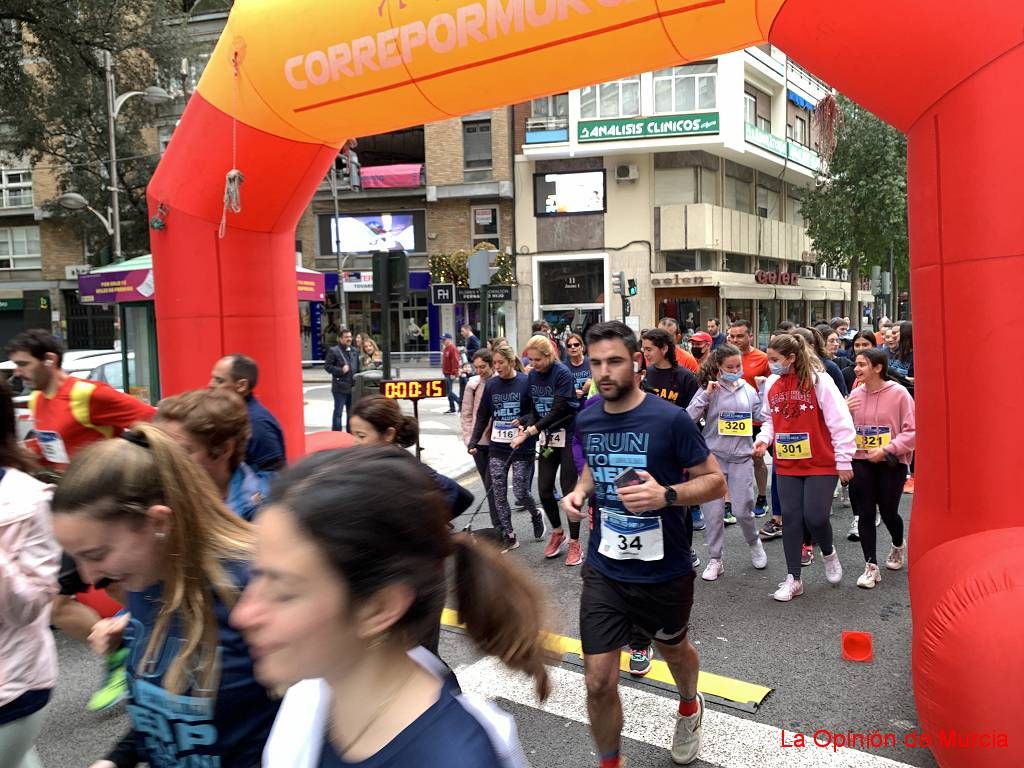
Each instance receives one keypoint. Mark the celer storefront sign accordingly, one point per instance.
(660, 127)
(777, 278)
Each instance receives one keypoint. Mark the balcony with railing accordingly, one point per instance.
(701, 226)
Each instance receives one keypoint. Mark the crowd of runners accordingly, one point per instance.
(252, 611)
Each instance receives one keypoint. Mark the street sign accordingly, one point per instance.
(442, 293)
(472, 295)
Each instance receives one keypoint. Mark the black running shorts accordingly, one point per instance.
(610, 609)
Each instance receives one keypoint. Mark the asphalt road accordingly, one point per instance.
(740, 632)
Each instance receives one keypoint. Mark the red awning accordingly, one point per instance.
(392, 176)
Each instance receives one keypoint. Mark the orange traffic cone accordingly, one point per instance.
(858, 646)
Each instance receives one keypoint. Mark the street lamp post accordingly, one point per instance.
(152, 95)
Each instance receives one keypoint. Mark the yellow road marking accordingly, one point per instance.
(708, 683)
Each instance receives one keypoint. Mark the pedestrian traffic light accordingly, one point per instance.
(632, 287)
(619, 283)
(481, 267)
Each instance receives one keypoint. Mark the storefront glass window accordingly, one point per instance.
(691, 313)
(836, 309)
(819, 312)
(739, 309)
(796, 311)
(769, 314)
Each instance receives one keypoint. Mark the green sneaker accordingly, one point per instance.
(728, 516)
(115, 686)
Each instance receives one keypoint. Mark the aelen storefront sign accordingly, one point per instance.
(660, 127)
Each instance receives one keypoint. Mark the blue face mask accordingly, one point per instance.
(778, 369)
(732, 378)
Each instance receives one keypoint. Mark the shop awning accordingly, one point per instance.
(799, 100)
(762, 292)
(835, 294)
(789, 293)
(132, 280)
(401, 176)
(815, 294)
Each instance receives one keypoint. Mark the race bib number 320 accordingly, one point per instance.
(736, 424)
(628, 537)
(792, 445)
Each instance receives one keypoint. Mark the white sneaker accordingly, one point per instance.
(833, 568)
(714, 569)
(686, 739)
(789, 589)
(854, 534)
(870, 577)
(757, 555)
(894, 562)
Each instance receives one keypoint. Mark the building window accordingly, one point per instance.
(619, 98)
(476, 144)
(19, 248)
(761, 108)
(687, 261)
(767, 203)
(686, 88)
(738, 194)
(15, 188)
(736, 262)
(556, 105)
(800, 131)
(485, 227)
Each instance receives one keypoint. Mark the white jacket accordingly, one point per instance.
(29, 563)
(297, 737)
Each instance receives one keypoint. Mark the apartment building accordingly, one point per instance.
(688, 180)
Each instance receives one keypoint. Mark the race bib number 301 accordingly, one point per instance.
(792, 445)
(628, 537)
(872, 437)
(736, 424)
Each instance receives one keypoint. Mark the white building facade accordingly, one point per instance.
(688, 180)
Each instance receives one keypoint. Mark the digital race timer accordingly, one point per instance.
(416, 389)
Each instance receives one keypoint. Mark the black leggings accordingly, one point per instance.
(482, 459)
(877, 485)
(559, 459)
(806, 503)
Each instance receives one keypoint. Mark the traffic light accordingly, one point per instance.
(481, 267)
(632, 287)
(627, 307)
(619, 283)
(390, 276)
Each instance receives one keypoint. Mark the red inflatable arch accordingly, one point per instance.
(290, 80)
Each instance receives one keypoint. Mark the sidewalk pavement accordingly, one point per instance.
(440, 433)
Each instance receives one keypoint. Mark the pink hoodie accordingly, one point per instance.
(892, 407)
(29, 561)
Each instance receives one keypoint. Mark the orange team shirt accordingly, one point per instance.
(755, 363)
(688, 361)
(80, 413)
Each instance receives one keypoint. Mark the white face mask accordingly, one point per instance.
(778, 369)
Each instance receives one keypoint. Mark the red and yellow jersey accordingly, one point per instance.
(82, 412)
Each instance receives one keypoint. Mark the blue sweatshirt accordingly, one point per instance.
(504, 401)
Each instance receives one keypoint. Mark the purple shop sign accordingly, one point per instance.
(112, 287)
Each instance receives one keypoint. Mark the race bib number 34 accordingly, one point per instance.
(736, 424)
(792, 445)
(628, 537)
(872, 437)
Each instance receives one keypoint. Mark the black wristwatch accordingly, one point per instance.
(670, 496)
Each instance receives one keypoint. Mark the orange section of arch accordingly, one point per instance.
(306, 75)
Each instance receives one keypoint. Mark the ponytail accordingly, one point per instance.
(501, 607)
(806, 365)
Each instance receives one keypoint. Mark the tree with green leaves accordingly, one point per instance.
(857, 210)
(53, 103)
